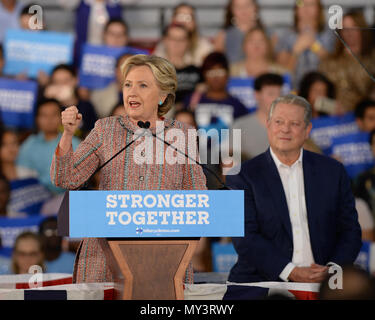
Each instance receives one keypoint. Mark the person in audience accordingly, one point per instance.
(352, 82)
(240, 17)
(259, 57)
(91, 17)
(9, 147)
(37, 150)
(104, 99)
(56, 260)
(27, 193)
(116, 33)
(186, 116)
(184, 14)
(27, 252)
(300, 50)
(315, 85)
(289, 207)
(254, 139)
(25, 16)
(365, 115)
(118, 110)
(9, 16)
(215, 107)
(177, 41)
(63, 87)
(356, 284)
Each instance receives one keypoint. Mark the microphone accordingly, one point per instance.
(146, 125)
(84, 185)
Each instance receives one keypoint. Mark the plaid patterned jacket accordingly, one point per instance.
(122, 173)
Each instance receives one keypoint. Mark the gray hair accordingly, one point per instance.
(296, 100)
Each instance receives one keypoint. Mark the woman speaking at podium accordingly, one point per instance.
(149, 92)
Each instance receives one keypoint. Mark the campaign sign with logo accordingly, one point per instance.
(354, 152)
(243, 89)
(29, 52)
(324, 129)
(17, 102)
(27, 196)
(10, 228)
(98, 64)
(172, 213)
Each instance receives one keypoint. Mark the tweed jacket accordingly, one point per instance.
(122, 173)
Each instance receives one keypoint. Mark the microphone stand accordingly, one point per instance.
(85, 184)
(146, 125)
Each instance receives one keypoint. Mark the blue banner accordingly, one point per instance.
(324, 129)
(27, 196)
(29, 52)
(243, 89)
(98, 64)
(354, 151)
(17, 102)
(181, 213)
(10, 228)
(224, 256)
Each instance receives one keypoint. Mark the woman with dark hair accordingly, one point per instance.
(352, 81)
(300, 50)
(185, 14)
(240, 17)
(215, 108)
(314, 85)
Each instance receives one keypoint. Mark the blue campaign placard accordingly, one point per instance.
(10, 228)
(17, 102)
(149, 214)
(28, 52)
(324, 129)
(97, 68)
(354, 151)
(243, 89)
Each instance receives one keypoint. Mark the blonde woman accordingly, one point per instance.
(149, 92)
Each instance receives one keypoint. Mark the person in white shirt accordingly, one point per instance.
(300, 214)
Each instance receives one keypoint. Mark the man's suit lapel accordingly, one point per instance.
(277, 192)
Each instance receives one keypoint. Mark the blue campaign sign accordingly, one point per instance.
(324, 129)
(17, 102)
(29, 52)
(97, 69)
(243, 89)
(172, 213)
(10, 228)
(354, 152)
(27, 196)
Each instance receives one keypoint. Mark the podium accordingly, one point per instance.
(149, 237)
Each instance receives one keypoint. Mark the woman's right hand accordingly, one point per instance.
(71, 119)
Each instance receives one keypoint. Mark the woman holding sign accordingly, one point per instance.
(149, 92)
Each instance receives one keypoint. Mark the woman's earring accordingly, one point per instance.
(160, 103)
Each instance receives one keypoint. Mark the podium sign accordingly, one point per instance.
(150, 214)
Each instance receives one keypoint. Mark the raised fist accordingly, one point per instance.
(71, 119)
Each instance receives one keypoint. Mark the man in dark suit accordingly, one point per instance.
(300, 214)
